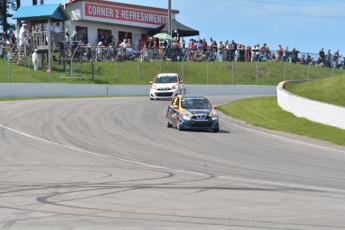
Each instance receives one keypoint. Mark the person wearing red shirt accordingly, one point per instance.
(264, 50)
(248, 53)
(204, 45)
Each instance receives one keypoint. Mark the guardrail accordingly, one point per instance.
(312, 110)
(24, 90)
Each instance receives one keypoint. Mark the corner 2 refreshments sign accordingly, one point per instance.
(125, 14)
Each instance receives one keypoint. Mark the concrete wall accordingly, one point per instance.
(312, 110)
(13, 90)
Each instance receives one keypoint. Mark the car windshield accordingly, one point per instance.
(195, 103)
(166, 79)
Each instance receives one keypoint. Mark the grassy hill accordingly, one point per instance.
(134, 72)
(330, 90)
(265, 112)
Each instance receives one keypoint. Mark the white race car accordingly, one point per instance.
(166, 86)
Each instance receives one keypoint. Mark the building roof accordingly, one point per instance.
(37, 12)
(177, 29)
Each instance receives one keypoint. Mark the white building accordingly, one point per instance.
(92, 17)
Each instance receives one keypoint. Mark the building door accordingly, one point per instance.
(144, 38)
(135, 42)
(106, 34)
(80, 31)
(122, 35)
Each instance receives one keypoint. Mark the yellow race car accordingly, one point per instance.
(192, 111)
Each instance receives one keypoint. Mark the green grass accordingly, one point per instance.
(265, 112)
(269, 73)
(330, 90)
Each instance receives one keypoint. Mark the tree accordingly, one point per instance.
(5, 5)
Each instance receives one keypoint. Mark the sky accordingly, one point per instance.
(307, 25)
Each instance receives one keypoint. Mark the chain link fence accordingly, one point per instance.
(106, 65)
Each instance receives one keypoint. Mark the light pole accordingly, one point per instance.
(169, 17)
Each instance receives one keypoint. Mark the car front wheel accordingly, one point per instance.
(179, 126)
(216, 130)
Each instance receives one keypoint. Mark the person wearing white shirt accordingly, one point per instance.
(35, 59)
(182, 43)
(100, 51)
(22, 34)
(123, 47)
(124, 44)
(57, 28)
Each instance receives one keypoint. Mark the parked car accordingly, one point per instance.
(192, 111)
(166, 86)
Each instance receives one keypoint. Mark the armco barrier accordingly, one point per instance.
(51, 90)
(16, 90)
(312, 110)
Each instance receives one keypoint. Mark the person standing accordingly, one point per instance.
(74, 40)
(322, 56)
(336, 57)
(204, 45)
(110, 38)
(3, 39)
(22, 34)
(99, 52)
(83, 39)
(328, 58)
(174, 52)
(248, 54)
(220, 48)
(57, 28)
(281, 53)
(233, 48)
(286, 55)
(182, 43)
(35, 59)
(101, 37)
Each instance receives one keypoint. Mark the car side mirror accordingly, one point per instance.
(181, 81)
(151, 82)
(215, 107)
(175, 106)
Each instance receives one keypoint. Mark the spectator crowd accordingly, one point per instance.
(109, 49)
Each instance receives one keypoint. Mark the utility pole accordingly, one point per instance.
(40, 28)
(169, 17)
(18, 21)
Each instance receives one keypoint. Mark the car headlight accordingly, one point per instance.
(174, 87)
(214, 113)
(153, 86)
(186, 114)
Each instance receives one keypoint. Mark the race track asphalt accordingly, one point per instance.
(111, 163)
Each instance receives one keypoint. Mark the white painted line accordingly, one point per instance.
(283, 138)
(278, 184)
(283, 184)
(53, 143)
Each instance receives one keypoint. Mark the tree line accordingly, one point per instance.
(5, 15)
